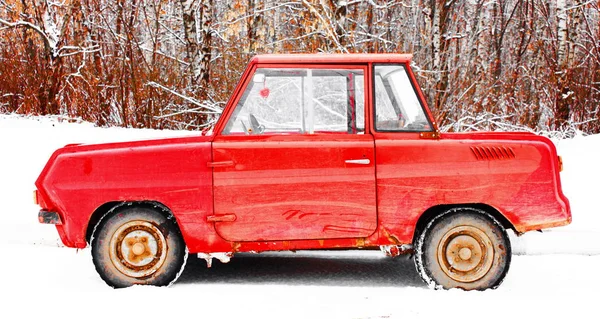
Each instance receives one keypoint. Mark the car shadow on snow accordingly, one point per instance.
(306, 268)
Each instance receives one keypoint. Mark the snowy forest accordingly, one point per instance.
(482, 64)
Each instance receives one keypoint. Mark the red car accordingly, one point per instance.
(311, 152)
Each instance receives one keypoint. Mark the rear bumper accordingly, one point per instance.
(47, 217)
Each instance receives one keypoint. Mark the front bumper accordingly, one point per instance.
(47, 217)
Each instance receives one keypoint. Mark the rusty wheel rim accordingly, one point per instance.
(138, 249)
(465, 254)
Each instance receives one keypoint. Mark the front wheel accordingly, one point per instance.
(137, 246)
(463, 248)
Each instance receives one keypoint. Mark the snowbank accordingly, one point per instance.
(26, 146)
(581, 157)
(40, 279)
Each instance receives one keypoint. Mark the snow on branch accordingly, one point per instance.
(327, 25)
(484, 122)
(212, 109)
(47, 40)
(51, 39)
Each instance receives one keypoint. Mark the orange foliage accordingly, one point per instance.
(108, 54)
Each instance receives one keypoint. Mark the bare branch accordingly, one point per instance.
(30, 26)
(213, 109)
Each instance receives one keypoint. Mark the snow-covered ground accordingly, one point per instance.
(554, 274)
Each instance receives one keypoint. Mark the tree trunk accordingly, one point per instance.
(561, 16)
(474, 36)
(497, 39)
(563, 92)
(370, 41)
(188, 8)
(436, 39)
(207, 16)
(255, 21)
(198, 54)
(341, 10)
(440, 46)
(573, 31)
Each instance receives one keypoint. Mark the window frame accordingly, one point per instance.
(416, 90)
(248, 78)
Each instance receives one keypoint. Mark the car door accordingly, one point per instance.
(293, 161)
(409, 170)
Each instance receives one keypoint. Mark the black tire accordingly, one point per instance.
(464, 248)
(137, 246)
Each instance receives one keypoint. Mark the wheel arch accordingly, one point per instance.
(115, 206)
(434, 211)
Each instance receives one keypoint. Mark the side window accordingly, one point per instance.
(300, 101)
(397, 106)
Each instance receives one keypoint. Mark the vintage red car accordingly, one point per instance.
(311, 152)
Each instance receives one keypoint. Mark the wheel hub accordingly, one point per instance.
(465, 253)
(138, 249)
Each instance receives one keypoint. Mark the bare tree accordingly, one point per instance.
(50, 21)
(173, 64)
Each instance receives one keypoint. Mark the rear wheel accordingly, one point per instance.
(137, 246)
(463, 248)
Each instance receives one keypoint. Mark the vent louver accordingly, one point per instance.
(488, 153)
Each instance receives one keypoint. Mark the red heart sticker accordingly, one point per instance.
(264, 93)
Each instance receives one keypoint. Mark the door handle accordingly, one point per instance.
(364, 161)
(221, 218)
(220, 164)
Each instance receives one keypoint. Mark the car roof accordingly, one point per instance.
(347, 58)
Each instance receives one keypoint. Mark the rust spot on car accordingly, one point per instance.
(390, 237)
(138, 249)
(360, 242)
(235, 246)
(343, 229)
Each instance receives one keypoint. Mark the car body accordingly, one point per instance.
(311, 152)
